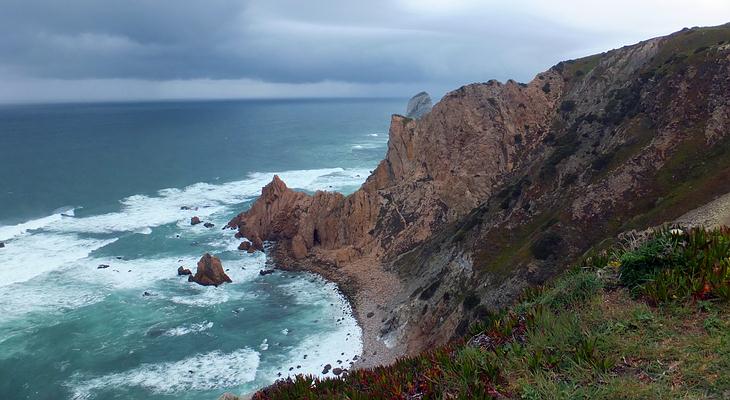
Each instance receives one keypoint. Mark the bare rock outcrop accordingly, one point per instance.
(501, 186)
(210, 272)
(419, 105)
(436, 170)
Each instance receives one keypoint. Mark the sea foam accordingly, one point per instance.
(212, 370)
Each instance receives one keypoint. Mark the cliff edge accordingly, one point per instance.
(501, 185)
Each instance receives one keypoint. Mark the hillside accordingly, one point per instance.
(501, 186)
(647, 319)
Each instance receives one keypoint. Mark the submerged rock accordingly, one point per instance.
(419, 105)
(209, 272)
(266, 272)
(2, 245)
(184, 271)
(208, 225)
(195, 221)
(103, 266)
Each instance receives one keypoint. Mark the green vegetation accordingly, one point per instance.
(603, 330)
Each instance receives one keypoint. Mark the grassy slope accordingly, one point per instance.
(649, 320)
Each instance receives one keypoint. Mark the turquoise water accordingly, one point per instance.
(85, 185)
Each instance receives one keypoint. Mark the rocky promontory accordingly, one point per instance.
(502, 185)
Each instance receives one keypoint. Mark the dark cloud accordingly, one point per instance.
(448, 42)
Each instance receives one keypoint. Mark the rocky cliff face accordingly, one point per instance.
(502, 185)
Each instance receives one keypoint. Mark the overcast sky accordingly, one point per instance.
(72, 50)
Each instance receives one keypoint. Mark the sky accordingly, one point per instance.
(115, 50)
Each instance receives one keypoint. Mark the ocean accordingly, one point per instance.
(87, 185)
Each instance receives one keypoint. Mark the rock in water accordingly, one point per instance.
(210, 272)
(266, 272)
(419, 105)
(208, 225)
(2, 245)
(194, 221)
(183, 271)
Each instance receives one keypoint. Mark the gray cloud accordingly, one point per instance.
(398, 44)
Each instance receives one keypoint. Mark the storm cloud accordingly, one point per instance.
(90, 49)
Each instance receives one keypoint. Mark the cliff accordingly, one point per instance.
(501, 185)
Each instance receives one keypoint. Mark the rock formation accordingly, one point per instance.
(181, 271)
(209, 272)
(195, 221)
(503, 185)
(418, 106)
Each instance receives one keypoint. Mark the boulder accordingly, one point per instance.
(419, 105)
(2, 245)
(183, 271)
(208, 225)
(210, 272)
(266, 272)
(244, 246)
(195, 221)
(337, 371)
(326, 369)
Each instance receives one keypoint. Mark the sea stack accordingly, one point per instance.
(419, 105)
(209, 272)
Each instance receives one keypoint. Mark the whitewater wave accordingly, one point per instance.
(214, 370)
(343, 335)
(31, 255)
(13, 231)
(42, 245)
(186, 329)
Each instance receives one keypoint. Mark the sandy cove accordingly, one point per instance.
(367, 287)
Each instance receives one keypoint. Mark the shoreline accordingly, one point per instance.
(368, 289)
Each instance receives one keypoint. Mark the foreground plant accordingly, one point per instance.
(645, 320)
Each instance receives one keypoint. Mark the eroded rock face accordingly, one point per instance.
(503, 185)
(419, 105)
(210, 272)
(436, 170)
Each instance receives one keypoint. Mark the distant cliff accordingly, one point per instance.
(500, 185)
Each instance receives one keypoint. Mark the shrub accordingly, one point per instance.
(567, 106)
(547, 245)
(672, 266)
(471, 300)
